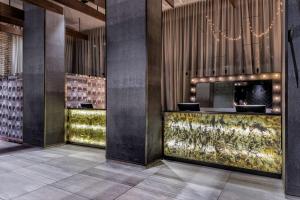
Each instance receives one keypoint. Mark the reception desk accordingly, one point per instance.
(242, 141)
(86, 127)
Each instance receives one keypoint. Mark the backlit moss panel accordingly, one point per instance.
(86, 126)
(236, 140)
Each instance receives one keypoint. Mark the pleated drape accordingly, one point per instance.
(11, 54)
(97, 46)
(213, 38)
(82, 64)
(5, 53)
(69, 53)
(86, 57)
(17, 54)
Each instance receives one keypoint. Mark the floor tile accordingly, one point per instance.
(91, 156)
(238, 192)
(104, 190)
(35, 175)
(195, 174)
(76, 183)
(138, 194)
(130, 179)
(74, 165)
(164, 188)
(38, 156)
(122, 168)
(192, 191)
(61, 151)
(250, 187)
(179, 189)
(77, 149)
(44, 172)
(11, 163)
(13, 185)
(6, 145)
(50, 193)
(260, 182)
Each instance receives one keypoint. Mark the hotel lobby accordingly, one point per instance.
(149, 99)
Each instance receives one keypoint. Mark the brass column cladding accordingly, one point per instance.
(54, 78)
(244, 141)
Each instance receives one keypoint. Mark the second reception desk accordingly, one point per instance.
(86, 127)
(243, 141)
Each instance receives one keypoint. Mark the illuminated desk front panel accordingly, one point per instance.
(86, 127)
(245, 141)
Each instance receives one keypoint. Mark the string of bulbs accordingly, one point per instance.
(251, 28)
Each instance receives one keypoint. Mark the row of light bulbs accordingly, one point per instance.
(265, 76)
(251, 28)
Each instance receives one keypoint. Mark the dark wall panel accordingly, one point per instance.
(292, 123)
(127, 81)
(33, 58)
(54, 78)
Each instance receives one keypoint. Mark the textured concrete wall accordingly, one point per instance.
(133, 80)
(292, 117)
(33, 75)
(44, 36)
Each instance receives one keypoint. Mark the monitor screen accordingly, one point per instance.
(86, 105)
(189, 106)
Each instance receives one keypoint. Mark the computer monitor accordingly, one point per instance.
(251, 108)
(189, 106)
(87, 105)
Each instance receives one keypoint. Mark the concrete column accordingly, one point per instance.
(134, 80)
(292, 103)
(44, 44)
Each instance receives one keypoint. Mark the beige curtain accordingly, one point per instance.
(69, 53)
(86, 57)
(81, 60)
(5, 53)
(97, 46)
(213, 38)
(11, 54)
(17, 54)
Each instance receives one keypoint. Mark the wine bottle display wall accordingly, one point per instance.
(11, 108)
(85, 89)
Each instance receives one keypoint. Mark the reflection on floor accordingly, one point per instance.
(76, 173)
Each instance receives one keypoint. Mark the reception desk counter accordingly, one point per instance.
(86, 127)
(247, 142)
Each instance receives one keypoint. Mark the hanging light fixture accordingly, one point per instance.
(216, 31)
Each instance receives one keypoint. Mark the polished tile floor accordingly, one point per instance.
(77, 173)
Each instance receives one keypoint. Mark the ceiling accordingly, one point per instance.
(72, 16)
(87, 22)
(14, 3)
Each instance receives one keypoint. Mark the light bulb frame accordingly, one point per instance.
(274, 77)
